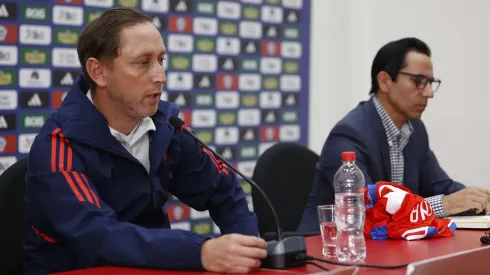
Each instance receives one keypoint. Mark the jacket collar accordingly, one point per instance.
(142, 128)
(81, 121)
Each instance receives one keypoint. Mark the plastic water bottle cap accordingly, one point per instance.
(348, 156)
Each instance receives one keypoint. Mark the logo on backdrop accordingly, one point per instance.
(158, 6)
(160, 22)
(227, 152)
(64, 78)
(8, 122)
(8, 144)
(36, 13)
(181, 99)
(32, 121)
(204, 81)
(35, 34)
(34, 78)
(8, 55)
(8, 11)
(99, 3)
(227, 100)
(34, 99)
(8, 99)
(204, 100)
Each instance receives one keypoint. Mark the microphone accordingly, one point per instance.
(281, 253)
(485, 239)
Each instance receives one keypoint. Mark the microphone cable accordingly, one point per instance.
(318, 265)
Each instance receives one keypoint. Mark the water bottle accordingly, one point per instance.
(349, 210)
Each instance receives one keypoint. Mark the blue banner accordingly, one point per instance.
(239, 69)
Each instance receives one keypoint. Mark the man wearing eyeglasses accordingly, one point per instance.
(390, 140)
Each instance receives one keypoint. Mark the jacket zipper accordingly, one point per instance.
(154, 194)
(153, 191)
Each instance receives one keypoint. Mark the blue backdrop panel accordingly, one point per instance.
(239, 69)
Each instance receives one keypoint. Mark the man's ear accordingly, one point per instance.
(96, 72)
(384, 82)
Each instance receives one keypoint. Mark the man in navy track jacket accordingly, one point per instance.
(104, 164)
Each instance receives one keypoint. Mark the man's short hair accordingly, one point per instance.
(391, 58)
(100, 38)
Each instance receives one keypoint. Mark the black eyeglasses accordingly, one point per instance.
(421, 81)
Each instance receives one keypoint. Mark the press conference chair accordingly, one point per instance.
(285, 172)
(12, 188)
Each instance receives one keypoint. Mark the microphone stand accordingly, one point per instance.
(282, 253)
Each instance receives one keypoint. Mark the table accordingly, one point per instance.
(380, 252)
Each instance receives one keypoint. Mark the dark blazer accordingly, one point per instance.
(362, 131)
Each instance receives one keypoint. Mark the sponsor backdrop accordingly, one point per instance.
(239, 69)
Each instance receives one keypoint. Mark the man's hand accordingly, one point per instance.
(466, 199)
(233, 253)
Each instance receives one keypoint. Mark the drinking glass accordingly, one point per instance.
(328, 228)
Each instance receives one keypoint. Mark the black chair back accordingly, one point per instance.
(12, 188)
(285, 172)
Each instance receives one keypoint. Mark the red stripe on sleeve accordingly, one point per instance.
(83, 187)
(62, 153)
(44, 236)
(90, 189)
(72, 186)
(70, 156)
(53, 149)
